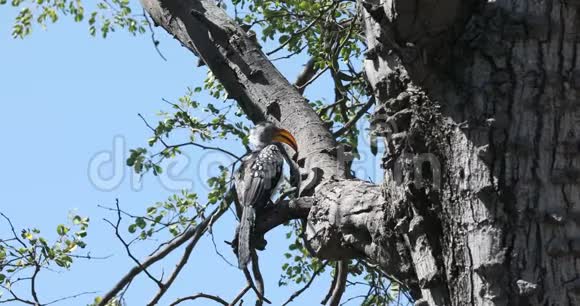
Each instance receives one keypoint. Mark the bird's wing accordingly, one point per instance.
(261, 176)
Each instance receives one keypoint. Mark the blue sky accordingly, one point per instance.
(65, 98)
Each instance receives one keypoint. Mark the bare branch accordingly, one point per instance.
(153, 39)
(287, 56)
(182, 262)
(283, 212)
(200, 295)
(331, 289)
(33, 283)
(192, 233)
(247, 75)
(340, 284)
(190, 143)
(88, 256)
(310, 69)
(361, 296)
(303, 87)
(217, 251)
(15, 298)
(253, 286)
(238, 158)
(13, 230)
(70, 297)
(184, 258)
(240, 295)
(127, 245)
(258, 277)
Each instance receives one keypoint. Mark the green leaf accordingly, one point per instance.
(77, 220)
(62, 230)
(140, 222)
(283, 38)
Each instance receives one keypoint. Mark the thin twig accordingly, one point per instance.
(153, 39)
(216, 249)
(200, 295)
(175, 273)
(299, 292)
(169, 147)
(127, 246)
(15, 298)
(253, 286)
(198, 231)
(353, 298)
(303, 30)
(240, 295)
(70, 297)
(321, 72)
(88, 256)
(205, 148)
(12, 229)
(290, 54)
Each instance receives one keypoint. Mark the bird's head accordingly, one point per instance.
(266, 133)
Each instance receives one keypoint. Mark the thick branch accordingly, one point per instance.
(339, 283)
(352, 219)
(282, 213)
(306, 75)
(178, 267)
(247, 75)
(346, 219)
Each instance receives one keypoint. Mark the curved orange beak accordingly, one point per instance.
(283, 136)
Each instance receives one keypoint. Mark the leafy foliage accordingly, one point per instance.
(299, 265)
(328, 32)
(198, 130)
(105, 17)
(24, 255)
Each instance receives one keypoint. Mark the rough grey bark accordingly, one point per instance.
(477, 103)
(248, 76)
(497, 106)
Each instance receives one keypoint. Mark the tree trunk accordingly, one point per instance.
(493, 110)
(476, 104)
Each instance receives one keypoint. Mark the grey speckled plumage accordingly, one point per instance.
(255, 181)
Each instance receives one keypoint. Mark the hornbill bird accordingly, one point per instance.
(257, 178)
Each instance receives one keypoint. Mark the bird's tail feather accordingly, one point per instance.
(244, 235)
